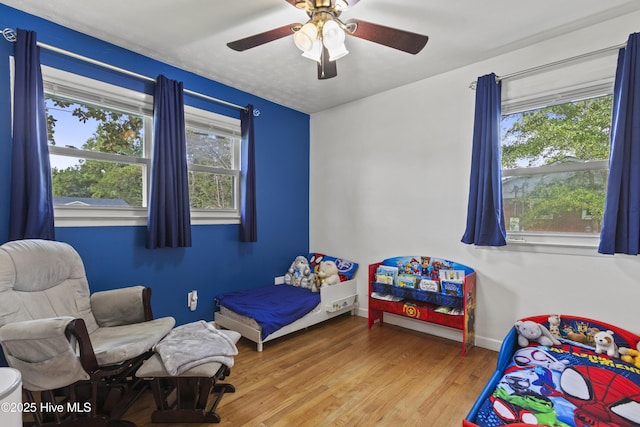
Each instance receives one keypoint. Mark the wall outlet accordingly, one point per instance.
(279, 280)
(192, 300)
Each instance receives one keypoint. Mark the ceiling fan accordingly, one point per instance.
(322, 37)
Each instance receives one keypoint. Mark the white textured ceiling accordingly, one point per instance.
(192, 34)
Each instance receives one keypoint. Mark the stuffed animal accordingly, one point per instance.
(605, 344)
(630, 355)
(299, 274)
(529, 331)
(554, 325)
(327, 274)
(572, 335)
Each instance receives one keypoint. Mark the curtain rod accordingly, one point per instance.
(10, 35)
(543, 67)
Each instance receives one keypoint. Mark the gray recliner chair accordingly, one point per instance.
(68, 345)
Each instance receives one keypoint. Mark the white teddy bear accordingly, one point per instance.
(327, 274)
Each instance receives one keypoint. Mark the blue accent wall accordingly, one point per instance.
(116, 257)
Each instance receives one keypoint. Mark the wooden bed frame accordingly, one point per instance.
(334, 300)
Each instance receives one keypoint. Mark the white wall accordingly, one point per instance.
(390, 177)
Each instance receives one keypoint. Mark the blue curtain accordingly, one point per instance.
(485, 218)
(31, 212)
(621, 222)
(169, 222)
(248, 220)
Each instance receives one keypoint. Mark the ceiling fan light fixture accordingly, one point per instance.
(332, 34)
(306, 36)
(315, 52)
(333, 38)
(337, 53)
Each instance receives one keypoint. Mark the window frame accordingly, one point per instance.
(85, 89)
(555, 242)
(204, 120)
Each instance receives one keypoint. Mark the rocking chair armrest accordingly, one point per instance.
(124, 306)
(34, 330)
(78, 329)
(44, 351)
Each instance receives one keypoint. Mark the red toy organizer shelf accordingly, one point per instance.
(421, 305)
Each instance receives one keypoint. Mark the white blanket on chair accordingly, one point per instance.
(194, 344)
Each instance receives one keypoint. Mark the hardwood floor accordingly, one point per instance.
(339, 373)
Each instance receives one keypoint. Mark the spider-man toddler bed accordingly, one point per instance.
(572, 375)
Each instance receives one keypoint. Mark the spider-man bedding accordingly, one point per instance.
(561, 385)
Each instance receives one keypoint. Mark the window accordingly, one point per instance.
(97, 154)
(555, 151)
(100, 145)
(555, 167)
(213, 158)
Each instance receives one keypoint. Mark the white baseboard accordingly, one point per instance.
(433, 329)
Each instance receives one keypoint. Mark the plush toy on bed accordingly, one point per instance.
(605, 344)
(327, 274)
(630, 355)
(554, 325)
(299, 274)
(529, 331)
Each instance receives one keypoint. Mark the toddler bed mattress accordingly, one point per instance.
(561, 385)
(269, 308)
(239, 318)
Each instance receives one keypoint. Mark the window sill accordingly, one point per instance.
(118, 217)
(554, 243)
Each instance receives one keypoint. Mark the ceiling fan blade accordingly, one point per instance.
(262, 38)
(398, 39)
(326, 68)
